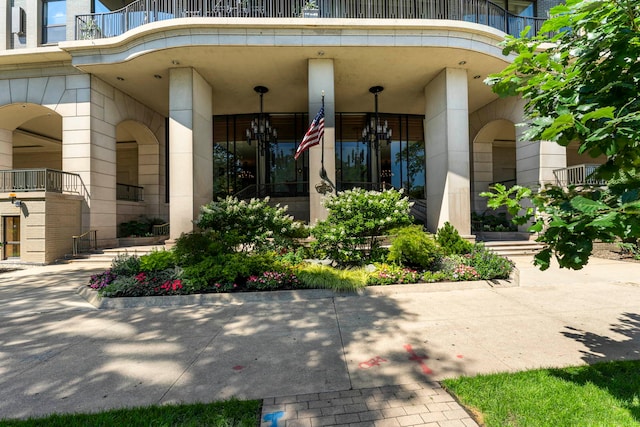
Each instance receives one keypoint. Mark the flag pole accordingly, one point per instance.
(323, 172)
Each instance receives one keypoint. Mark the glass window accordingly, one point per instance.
(54, 21)
(517, 7)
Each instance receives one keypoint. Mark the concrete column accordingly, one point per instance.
(89, 149)
(447, 151)
(482, 173)
(190, 155)
(34, 23)
(5, 24)
(321, 79)
(6, 149)
(536, 161)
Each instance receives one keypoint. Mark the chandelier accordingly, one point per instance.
(375, 131)
(260, 129)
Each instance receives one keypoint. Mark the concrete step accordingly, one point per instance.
(108, 255)
(512, 248)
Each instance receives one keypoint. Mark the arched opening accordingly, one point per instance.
(494, 160)
(138, 172)
(32, 137)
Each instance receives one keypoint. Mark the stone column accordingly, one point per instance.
(89, 149)
(190, 152)
(34, 23)
(5, 24)
(447, 151)
(321, 79)
(6, 149)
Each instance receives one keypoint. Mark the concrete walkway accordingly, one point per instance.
(323, 360)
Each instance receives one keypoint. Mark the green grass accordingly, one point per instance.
(230, 413)
(325, 277)
(603, 394)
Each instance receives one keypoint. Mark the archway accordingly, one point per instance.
(138, 172)
(494, 159)
(30, 137)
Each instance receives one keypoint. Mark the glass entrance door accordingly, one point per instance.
(11, 237)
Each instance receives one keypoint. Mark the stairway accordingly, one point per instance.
(108, 255)
(513, 247)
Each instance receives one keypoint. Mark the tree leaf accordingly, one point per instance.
(587, 205)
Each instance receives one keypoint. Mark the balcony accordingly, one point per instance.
(577, 175)
(47, 180)
(141, 12)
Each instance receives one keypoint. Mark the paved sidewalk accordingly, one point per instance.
(315, 359)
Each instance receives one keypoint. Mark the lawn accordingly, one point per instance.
(603, 394)
(230, 413)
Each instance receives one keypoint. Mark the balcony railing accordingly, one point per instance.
(48, 180)
(577, 175)
(129, 193)
(141, 12)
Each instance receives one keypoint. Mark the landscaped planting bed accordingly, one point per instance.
(250, 246)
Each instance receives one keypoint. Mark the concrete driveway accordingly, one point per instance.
(58, 353)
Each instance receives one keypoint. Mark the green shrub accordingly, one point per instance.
(157, 260)
(318, 276)
(357, 218)
(434, 276)
(125, 265)
(249, 226)
(194, 247)
(451, 242)
(142, 227)
(487, 264)
(412, 247)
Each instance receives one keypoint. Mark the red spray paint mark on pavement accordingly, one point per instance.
(238, 368)
(419, 359)
(371, 362)
(460, 356)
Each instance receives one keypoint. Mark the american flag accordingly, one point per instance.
(313, 135)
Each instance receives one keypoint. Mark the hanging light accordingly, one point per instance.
(376, 131)
(260, 129)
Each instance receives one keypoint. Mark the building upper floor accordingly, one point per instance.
(36, 23)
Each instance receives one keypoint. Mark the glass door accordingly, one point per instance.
(11, 237)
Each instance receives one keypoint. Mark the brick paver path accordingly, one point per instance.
(400, 405)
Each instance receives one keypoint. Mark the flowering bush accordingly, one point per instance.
(101, 280)
(271, 280)
(386, 274)
(356, 220)
(249, 226)
(464, 272)
(488, 265)
(161, 282)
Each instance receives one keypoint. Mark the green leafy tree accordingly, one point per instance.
(580, 79)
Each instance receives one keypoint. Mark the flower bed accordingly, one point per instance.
(250, 246)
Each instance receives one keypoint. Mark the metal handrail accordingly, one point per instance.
(141, 12)
(279, 189)
(578, 175)
(131, 193)
(92, 240)
(48, 180)
(160, 229)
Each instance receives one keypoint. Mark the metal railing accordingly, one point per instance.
(49, 180)
(282, 189)
(130, 193)
(160, 229)
(85, 242)
(141, 12)
(577, 175)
